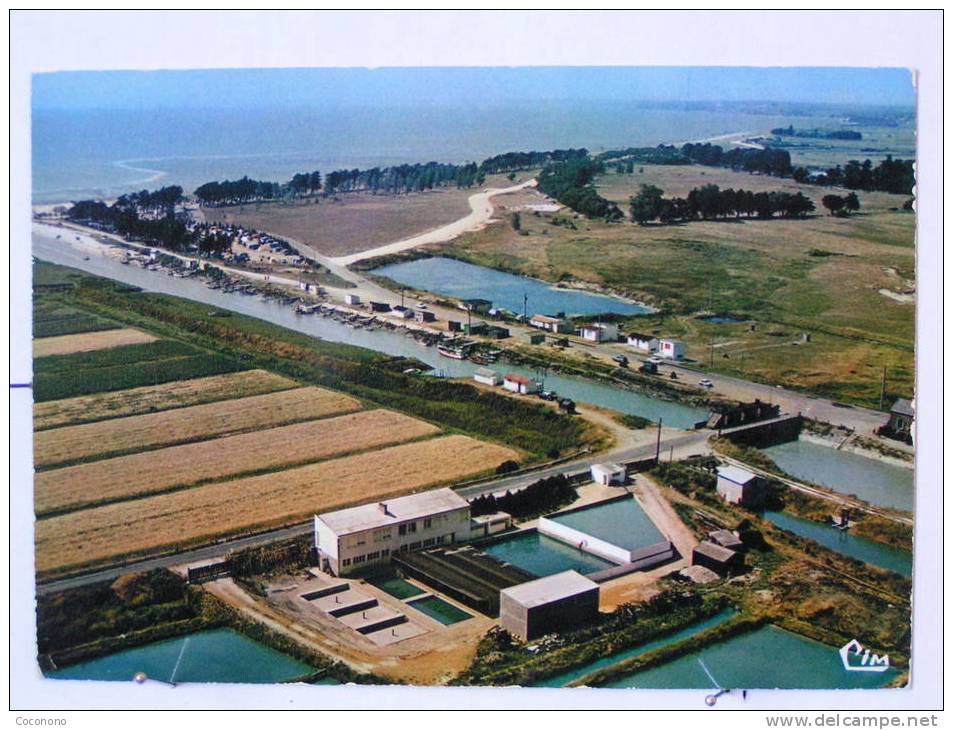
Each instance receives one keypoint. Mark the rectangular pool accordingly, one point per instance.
(542, 555)
(397, 587)
(622, 522)
(439, 609)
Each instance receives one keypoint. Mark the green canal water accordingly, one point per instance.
(766, 658)
(542, 556)
(880, 483)
(561, 680)
(854, 546)
(621, 523)
(397, 587)
(217, 655)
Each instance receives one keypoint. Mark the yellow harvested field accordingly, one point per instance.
(111, 480)
(86, 341)
(151, 398)
(242, 505)
(182, 425)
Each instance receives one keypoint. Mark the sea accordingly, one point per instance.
(78, 154)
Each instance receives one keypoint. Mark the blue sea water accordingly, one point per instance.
(104, 152)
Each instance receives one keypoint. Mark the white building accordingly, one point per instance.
(643, 343)
(740, 486)
(367, 536)
(672, 349)
(599, 332)
(608, 474)
(352, 299)
(520, 384)
(550, 324)
(487, 376)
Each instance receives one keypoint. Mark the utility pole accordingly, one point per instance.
(658, 440)
(883, 387)
(524, 306)
(401, 297)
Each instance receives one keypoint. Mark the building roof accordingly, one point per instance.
(401, 509)
(736, 474)
(549, 589)
(640, 336)
(545, 318)
(715, 552)
(903, 407)
(611, 468)
(725, 538)
(485, 372)
(517, 379)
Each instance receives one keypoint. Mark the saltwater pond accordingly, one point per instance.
(469, 281)
(621, 522)
(766, 658)
(842, 541)
(877, 482)
(561, 680)
(46, 247)
(216, 655)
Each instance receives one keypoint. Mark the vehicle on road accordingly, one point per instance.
(655, 359)
(706, 383)
(421, 305)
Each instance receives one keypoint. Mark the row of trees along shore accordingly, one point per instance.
(395, 179)
(710, 202)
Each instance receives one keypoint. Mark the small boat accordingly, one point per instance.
(454, 354)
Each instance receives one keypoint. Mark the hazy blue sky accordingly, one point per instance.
(315, 87)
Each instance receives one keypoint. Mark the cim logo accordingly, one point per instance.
(863, 660)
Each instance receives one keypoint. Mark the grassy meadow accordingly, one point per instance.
(823, 276)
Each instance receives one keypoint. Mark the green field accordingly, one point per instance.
(822, 276)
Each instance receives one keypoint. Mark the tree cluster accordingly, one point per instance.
(768, 161)
(142, 216)
(236, 192)
(841, 205)
(890, 176)
(542, 496)
(790, 131)
(570, 183)
(404, 178)
(525, 160)
(710, 202)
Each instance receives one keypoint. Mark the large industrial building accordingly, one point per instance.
(365, 537)
(554, 603)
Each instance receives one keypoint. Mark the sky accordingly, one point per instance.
(407, 86)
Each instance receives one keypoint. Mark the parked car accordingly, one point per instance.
(656, 359)
(421, 305)
(706, 383)
(548, 395)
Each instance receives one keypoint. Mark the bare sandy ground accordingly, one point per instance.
(481, 213)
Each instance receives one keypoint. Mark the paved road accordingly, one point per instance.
(693, 441)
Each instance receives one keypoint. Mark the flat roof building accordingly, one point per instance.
(487, 376)
(726, 538)
(740, 486)
(554, 603)
(367, 536)
(608, 474)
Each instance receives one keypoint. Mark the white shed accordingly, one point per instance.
(352, 299)
(672, 349)
(487, 376)
(608, 474)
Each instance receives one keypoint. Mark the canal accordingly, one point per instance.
(841, 541)
(216, 655)
(389, 342)
(766, 658)
(875, 481)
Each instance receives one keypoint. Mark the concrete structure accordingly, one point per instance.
(642, 343)
(352, 299)
(901, 417)
(599, 332)
(727, 539)
(550, 324)
(535, 338)
(367, 536)
(671, 349)
(719, 559)
(520, 384)
(483, 306)
(608, 474)
(555, 603)
(487, 376)
(490, 524)
(422, 315)
(740, 486)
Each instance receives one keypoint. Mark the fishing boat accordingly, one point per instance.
(451, 352)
